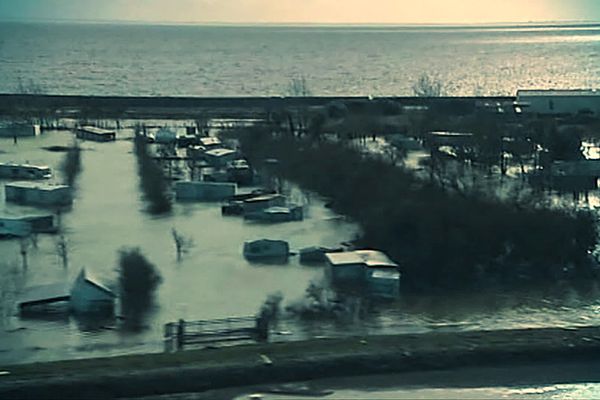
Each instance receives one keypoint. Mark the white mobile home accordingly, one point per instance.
(42, 194)
(24, 171)
(88, 295)
(204, 191)
(558, 101)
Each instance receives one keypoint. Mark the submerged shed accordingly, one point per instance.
(89, 295)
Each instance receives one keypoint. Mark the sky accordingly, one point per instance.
(304, 11)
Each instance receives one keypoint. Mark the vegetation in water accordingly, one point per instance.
(442, 238)
(138, 279)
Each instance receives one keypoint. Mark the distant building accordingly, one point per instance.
(558, 101)
(24, 226)
(96, 134)
(165, 136)
(42, 194)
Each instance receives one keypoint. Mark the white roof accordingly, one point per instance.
(37, 185)
(210, 141)
(44, 292)
(96, 130)
(385, 274)
(558, 92)
(369, 258)
(15, 165)
(219, 152)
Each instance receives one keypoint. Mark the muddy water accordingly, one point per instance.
(213, 280)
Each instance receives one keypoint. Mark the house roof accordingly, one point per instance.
(15, 165)
(91, 280)
(97, 131)
(36, 185)
(219, 152)
(368, 258)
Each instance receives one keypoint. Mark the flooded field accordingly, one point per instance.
(213, 280)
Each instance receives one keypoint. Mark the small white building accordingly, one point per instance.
(42, 194)
(90, 296)
(556, 101)
(24, 171)
(204, 191)
(220, 157)
(277, 214)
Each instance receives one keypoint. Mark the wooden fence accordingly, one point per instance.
(182, 333)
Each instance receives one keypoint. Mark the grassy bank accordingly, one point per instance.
(201, 370)
(443, 238)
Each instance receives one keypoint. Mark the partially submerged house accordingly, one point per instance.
(266, 249)
(370, 268)
(85, 295)
(24, 171)
(19, 129)
(96, 134)
(26, 225)
(204, 191)
(42, 194)
(88, 295)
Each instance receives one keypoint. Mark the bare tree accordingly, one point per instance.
(183, 244)
(62, 249)
(24, 244)
(9, 286)
(427, 86)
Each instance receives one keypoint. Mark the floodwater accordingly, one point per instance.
(140, 60)
(213, 280)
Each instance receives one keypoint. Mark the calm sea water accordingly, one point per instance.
(105, 59)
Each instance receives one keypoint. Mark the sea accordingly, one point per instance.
(201, 60)
(213, 280)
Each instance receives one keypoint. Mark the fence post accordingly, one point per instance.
(180, 334)
(262, 328)
(168, 338)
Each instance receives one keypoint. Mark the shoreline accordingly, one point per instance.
(244, 365)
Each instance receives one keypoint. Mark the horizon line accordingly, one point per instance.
(579, 22)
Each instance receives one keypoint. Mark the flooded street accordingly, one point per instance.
(213, 280)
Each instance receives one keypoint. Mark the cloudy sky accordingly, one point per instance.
(304, 11)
